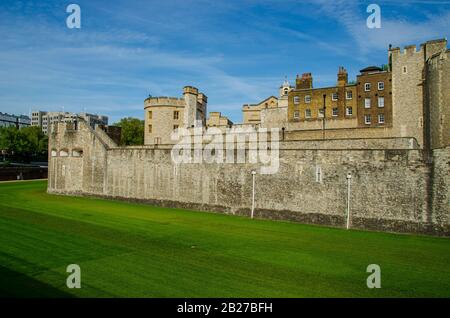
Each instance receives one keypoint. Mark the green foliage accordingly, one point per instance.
(132, 131)
(385, 67)
(136, 250)
(24, 145)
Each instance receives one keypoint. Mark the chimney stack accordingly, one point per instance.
(305, 82)
(342, 76)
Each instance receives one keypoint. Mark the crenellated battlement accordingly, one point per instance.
(432, 45)
(163, 101)
(407, 50)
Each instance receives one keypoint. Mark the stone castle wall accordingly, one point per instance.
(438, 94)
(392, 189)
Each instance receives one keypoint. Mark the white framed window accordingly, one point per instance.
(307, 99)
(349, 95)
(367, 87)
(320, 113)
(334, 96)
(349, 111)
(367, 119)
(381, 102)
(381, 118)
(296, 114)
(335, 112)
(296, 100)
(380, 86)
(307, 113)
(54, 153)
(367, 103)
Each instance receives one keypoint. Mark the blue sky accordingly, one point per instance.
(236, 52)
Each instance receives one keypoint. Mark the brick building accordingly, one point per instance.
(374, 89)
(307, 103)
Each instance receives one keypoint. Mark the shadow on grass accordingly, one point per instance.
(18, 285)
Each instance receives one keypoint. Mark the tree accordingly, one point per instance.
(24, 145)
(132, 131)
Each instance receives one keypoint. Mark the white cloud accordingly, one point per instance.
(398, 32)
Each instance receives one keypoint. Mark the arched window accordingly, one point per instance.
(77, 153)
(54, 153)
(63, 153)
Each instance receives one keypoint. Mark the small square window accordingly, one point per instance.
(381, 118)
(381, 102)
(308, 113)
(367, 119)
(367, 103)
(307, 99)
(380, 86)
(320, 113)
(367, 87)
(175, 127)
(335, 111)
(349, 95)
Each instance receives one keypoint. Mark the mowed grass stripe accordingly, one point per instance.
(138, 250)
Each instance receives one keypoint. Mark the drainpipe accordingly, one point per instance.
(349, 178)
(324, 115)
(253, 192)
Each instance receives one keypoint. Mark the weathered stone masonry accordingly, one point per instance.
(391, 188)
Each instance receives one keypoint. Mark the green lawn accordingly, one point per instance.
(133, 250)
